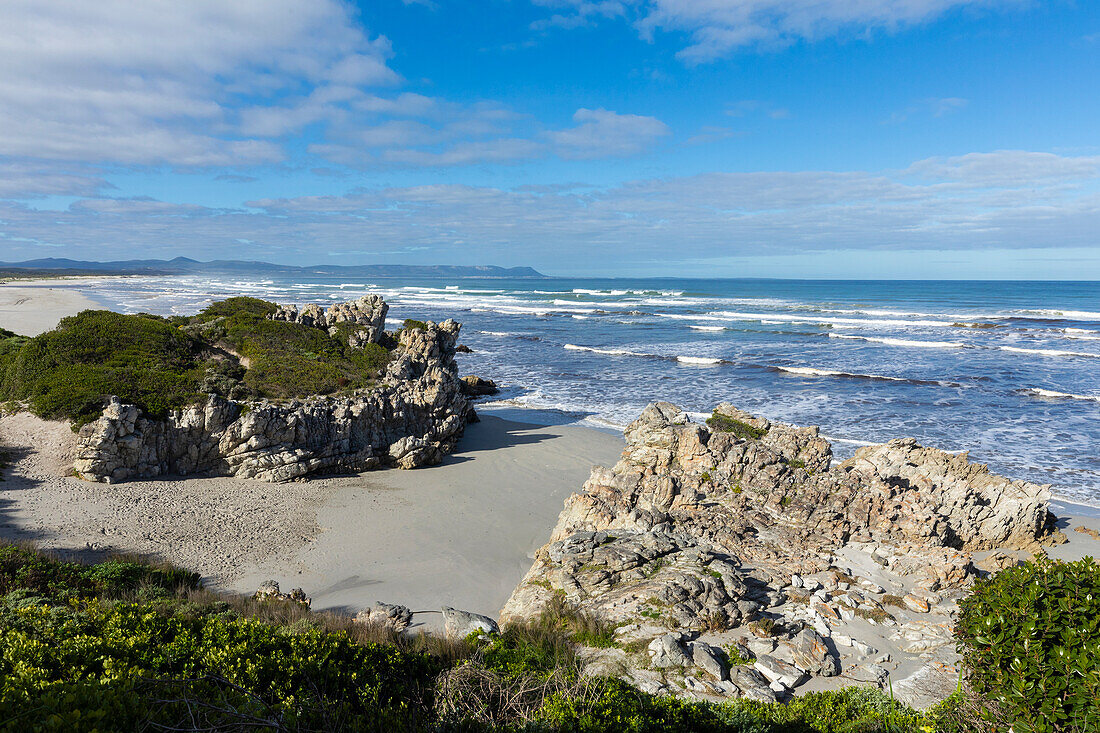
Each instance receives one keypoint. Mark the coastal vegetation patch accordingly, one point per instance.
(129, 644)
(1030, 636)
(727, 424)
(160, 364)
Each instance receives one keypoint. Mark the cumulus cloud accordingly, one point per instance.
(160, 81)
(1002, 199)
(717, 27)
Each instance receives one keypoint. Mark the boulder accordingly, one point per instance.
(779, 672)
(477, 387)
(708, 658)
(460, 624)
(666, 651)
(387, 615)
(812, 653)
(269, 591)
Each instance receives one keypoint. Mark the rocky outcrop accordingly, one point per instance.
(412, 418)
(740, 535)
(473, 386)
(368, 312)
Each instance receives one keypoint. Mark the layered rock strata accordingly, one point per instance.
(737, 562)
(368, 314)
(411, 419)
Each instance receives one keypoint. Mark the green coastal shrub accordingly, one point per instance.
(1030, 638)
(32, 574)
(70, 371)
(727, 424)
(164, 364)
(288, 359)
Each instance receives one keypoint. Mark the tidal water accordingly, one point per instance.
(1006, 370)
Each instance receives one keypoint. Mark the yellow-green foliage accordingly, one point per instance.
(727, 424)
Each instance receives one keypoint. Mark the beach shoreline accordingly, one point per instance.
(31, 307)
(462, 533)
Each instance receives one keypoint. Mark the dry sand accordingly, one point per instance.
(460, 534)
(30, 307)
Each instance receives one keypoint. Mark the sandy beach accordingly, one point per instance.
(459, 534)
(30, 307)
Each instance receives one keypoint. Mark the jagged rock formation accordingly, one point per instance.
(369, 312)
(744, 564)
(411, 419)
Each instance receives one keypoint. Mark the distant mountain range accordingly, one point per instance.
(186, 266)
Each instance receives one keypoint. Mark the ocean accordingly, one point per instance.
(1005, 370)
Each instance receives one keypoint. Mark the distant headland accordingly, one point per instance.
(187, 266)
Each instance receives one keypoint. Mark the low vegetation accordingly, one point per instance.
(727, 424)
(1030, 637)
(412, 323)
(130, 645)
(161, 364)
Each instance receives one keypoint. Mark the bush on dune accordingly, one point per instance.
(160, 364)
(70, 371)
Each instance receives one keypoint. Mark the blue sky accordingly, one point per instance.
(880, 138)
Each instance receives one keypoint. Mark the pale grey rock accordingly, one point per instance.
(388, 615)
(752, 684)
(869, 673)
(708, 658)
(269, 591)
(459, 624)
(369, 312)
(812, 653)
(666, 652)
(778, 671)
(701, 530)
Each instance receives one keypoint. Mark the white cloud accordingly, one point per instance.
(27, 179)
(1004, 199)
(602, 133)
(158, 81)
(718, 27)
